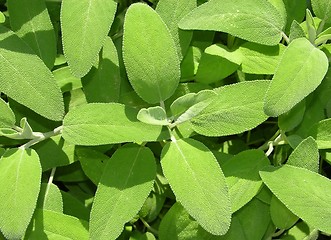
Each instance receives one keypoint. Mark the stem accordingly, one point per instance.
(273, 143)
(286, 38)
(152, 230)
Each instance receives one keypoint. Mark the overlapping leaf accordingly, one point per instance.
(7, 117)
(322, 9)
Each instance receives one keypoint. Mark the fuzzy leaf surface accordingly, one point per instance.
(153, 115)
(106, 123)
(322, 9)
(7, 117)
(321, 131)
(23, 72)
(124, 186)
(153, 69)
(198, 183)
(20, 179)
(253, 20)
(85, 25)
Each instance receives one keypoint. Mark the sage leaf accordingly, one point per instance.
(229, 114)
(85, 25)
(66, 80)
(30, 20)
(124, 186)
(198, 183)
(7, 117)
(301, 69)
(295, 11)
(171, 12)
(321, 131)
(242, 176)
(106, 123)
(153, 115)
(305, 193)
(322, 9)
(20, 179)
(291, 119)
(153, 69)
(23, 72)
(50, 198)
(255, 21)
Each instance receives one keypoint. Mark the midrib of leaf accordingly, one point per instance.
(87, 18)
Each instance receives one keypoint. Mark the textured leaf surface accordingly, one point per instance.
(321, 131)
(291, 119)
(153, 69)
(281, 216)
(50, 198)
(124, 186)
(19, 183)
(7, 117)
(242, 176)
(23, 72)
(253, 20)
(171, 12)
(305, 193)
(106, 123)
(31, 22)
(198, 183)
(153, 115)
(85, 25)
(231, 114)
(322, 9)
(301, 69)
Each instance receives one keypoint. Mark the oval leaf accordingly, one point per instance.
(305, 193)
(198, 183)
(124, 186)
(253, 20)
(26, 79)
(7, 117)
(153, 115)
(19, 183)
(229, 113)
(153, 69)
(301, 69)
(106, 123)
(85, 25)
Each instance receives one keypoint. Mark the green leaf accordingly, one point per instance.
(311, 27)
(280, 215)
(229, 114)
(50, 198)
(104, 84)
(153, 115)
(54, 225)
(301, 231)
(106, 123)
(305, 155)
(124, 186)
(301, 69)
(296, 31)
(198, 183)
(171, 12)
(291, 119)
(2, 20)
(31, 22)
(242, 176)
(259, 59)
(321, 131)
(74, 207)
(26, 79)
(295, 10)
(7, 117)
(322, 9)
(253, 20)
(85, 25)
(190, 63)
(66, 80)
(19, 183)
(305, 193)
(153, 69)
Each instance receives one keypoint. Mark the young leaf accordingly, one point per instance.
(153, 115)
(321, 131)
(19, 188)
(198, 183)
(171, 11)
(85, 25)
(153, 69)
(124, 186)
(296, 31)
(229, 114)
(305, 155)
(253, 20)
(7, 117)
(106, 123)
(322, 9)
(301, 69)
(26, 79)
(31, 22)
(242, 176)
(305, 193)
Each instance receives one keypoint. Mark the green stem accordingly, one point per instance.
(152, 230)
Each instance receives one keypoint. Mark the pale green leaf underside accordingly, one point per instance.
(26, 79)
(106, 123)
(253, 20)
(153, 115)
(85, 25)
(305, 193)
(124, 186)
(198, 183)
(322, 9)
(31, 22)
(7, 117)
(19, 183)
(149, 54)
(231, 113)
(301, 69)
